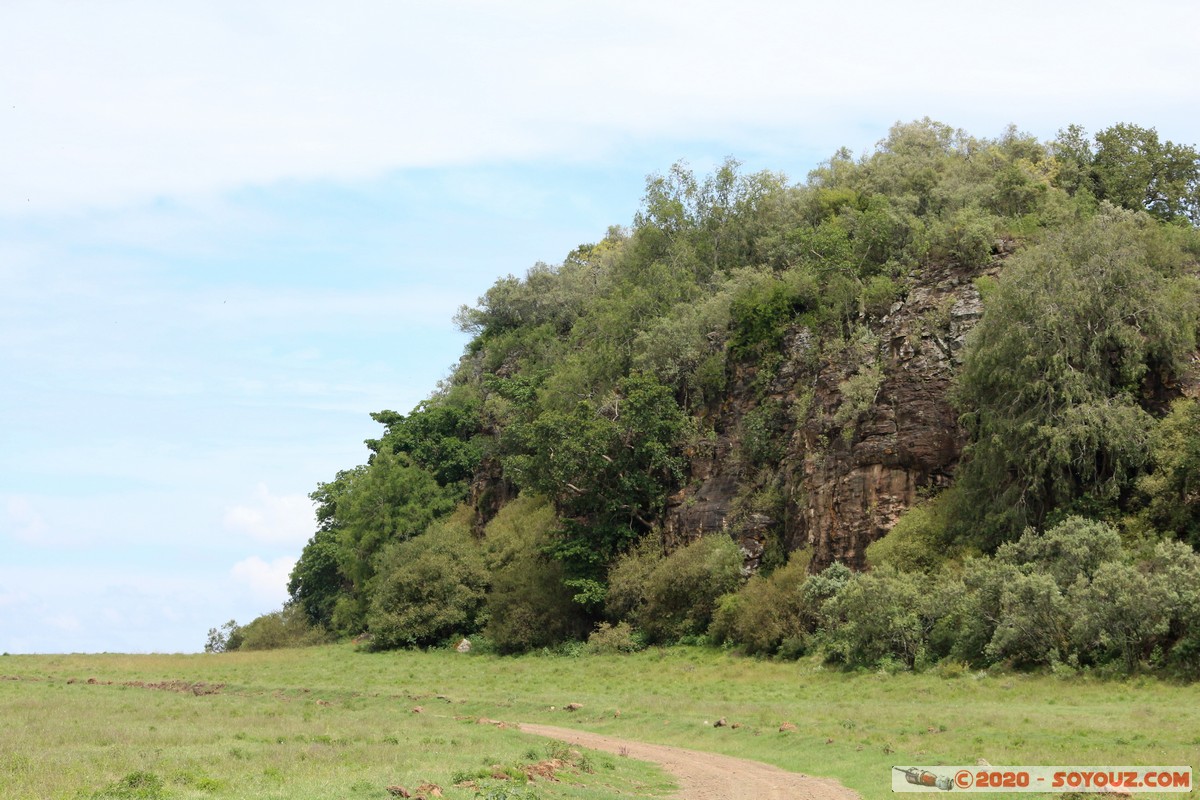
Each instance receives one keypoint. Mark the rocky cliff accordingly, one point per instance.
(863, 429)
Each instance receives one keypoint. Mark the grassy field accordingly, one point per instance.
(335, 723)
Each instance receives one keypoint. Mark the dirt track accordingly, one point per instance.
(708, 776)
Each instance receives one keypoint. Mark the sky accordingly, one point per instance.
(230, 231)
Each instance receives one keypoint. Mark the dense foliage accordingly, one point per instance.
(525, 500)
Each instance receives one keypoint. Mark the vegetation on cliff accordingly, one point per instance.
(528, 498)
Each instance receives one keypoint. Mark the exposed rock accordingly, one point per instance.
(846, 476)
(464, 646)
(721, 723)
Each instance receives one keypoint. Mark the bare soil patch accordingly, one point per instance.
(708, 776)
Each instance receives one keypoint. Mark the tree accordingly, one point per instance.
(1134, 169)
(607, 467)
(316, 581)
(430, 588)
(1053, 375)
(1172, 489)
(227, 637)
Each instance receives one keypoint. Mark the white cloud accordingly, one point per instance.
(267, 580)
(107, 104)
(63, 622)
(25, 523)
(274, 519)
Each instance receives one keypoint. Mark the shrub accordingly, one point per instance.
(1169, 490)
(1178, 565)
(768, 611)
(430, 587)
(528, 605)
(629, 578)
(875, 618)
(878, 295)
(1123, 613)
(1033, 626)
(763, 434)
(619, 638)
(916, 543)
(1074, 548)
(288, 627)
(675, 596)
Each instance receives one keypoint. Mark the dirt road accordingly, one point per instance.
(708, 776)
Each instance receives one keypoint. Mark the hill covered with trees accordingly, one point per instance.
(935, 403)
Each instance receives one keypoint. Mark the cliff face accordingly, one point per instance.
(863, 429)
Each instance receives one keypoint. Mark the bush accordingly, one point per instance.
(1178, 565)
(917, 542)
(1073, 549)
(675, 596)
(878, 295)
(288, 627)
(619, 638)
(768, 611)
(1168, 492)
(1034, 622)
(528, 605)
(430, 587)
(1123, 613)
(876, 618)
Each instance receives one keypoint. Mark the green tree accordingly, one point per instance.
(1171, 490)
(430, 588)
(316, 581)
(608, 468)
(528, 604)
(876, 616)
(390, 500)
(1052, 379)
(1134, 169)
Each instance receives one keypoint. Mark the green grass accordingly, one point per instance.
(331, 722)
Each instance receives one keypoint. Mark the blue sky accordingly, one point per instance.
(228, 232)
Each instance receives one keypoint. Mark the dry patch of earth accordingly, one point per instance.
(708, 776)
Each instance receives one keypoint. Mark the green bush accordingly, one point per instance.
(878, 295)
(763, 431)
(629, 579)
(1073, 549)
(619, 638)
(528, 605)
(768, 611)
(1168, 491)
(762, 307)
(1034, 622)
(876, 618)
(1123, 613)
(430, 588)
(917, 542)
(675, 596)
(288, 627)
